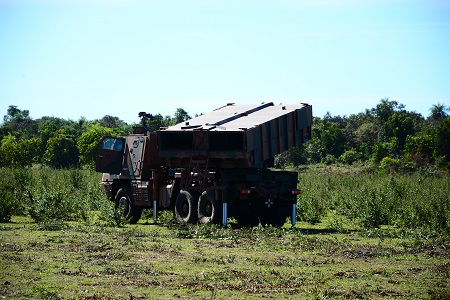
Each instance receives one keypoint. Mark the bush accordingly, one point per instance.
(390, 165)
(380, 151)
(9, 204)
(112, 216)
(61, 152)
(420, 200)
(48, 195)
(50, 207)
(309, 210)
(329, 159)
(373, 208)
(349, 157)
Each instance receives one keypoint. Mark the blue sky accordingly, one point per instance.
(90, 58)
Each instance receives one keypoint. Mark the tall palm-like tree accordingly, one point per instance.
(438, 111)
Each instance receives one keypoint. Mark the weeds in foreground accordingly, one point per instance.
(409, 201)
(418, 200)
(192, 261)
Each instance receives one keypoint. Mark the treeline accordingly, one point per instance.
(60, 143)
(387, 135)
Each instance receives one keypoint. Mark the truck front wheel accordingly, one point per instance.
(186, 207)
(208, 208)
(124, 203)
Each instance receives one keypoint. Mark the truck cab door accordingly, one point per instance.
(137, 156)
(109, 156)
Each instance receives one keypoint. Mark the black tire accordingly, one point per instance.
(275, 216)
(247, 221)
(246, 217)
(209, 211)
(186, 207)
(123, 202)
(274, 220)
(279, 221)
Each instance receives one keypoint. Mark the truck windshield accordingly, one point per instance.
(112, 144)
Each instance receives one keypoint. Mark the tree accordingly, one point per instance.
(14, 112)
(19, 123)
(441, 134)
(398, 126)
(438, 112)
(157, 122)
(333, 140)
(419, 149)
(385, 109)
(47, 128)
(88, 142)
(17, 153)
(61, 152)
(180, 116)
(365, 137)
(114, 122)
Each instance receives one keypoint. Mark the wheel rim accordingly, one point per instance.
(208, 209)
(123, 203)
(185, 208)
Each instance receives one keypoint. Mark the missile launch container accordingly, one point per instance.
(209, 168)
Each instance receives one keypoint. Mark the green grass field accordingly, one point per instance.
(360, 236)
(147, 261)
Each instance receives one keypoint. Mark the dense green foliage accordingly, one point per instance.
(60, 143)
(49, 196)
(366, 199)
(373, 199)
(386, 131)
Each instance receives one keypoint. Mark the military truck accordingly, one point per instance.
(209, 168)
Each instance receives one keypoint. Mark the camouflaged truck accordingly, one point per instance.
(210, 168)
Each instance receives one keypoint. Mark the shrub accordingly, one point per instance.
(49, 195)
(112, 216)
(420, 200)
(61, 152)
(349, 157)
(379, 151)
(9, 204)
(50, 206)
(329, 159)
(309, 210)
(373, 208)
(390, 165)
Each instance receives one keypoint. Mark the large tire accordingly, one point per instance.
(246, 217)
(279, 221)
(209, 211)
(123, 202)
(274, 220)
(186, 207)
(247, 220)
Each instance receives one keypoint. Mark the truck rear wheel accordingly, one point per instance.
(123, 202)
(274, 220)
(186, 207)
(246, 216)
(208, 208)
